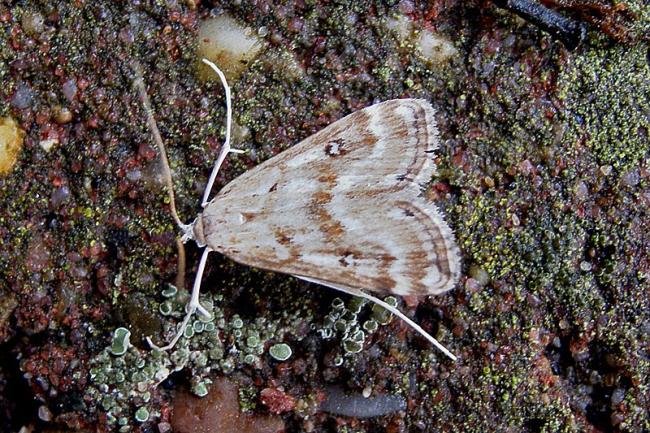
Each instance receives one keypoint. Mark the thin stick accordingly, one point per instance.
(181, 263)
(151, 122)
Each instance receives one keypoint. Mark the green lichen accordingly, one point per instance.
(200, 387)
(280, 351)
(380, 314)
(607, 94)
(136, 373)
(343, 320)
(121, 342)
(214, 346)
(142, 414)
(169, 291)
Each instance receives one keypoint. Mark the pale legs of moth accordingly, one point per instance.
(193, 305)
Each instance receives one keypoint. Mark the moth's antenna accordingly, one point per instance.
(153, 127)
(194, 305)
(409, 322)
(395, 311)
(225, 149)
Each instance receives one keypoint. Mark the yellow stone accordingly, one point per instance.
(228, 44)
(11, 141)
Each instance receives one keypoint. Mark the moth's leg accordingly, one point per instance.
(395, 311)
(193, 306)
(225, 149)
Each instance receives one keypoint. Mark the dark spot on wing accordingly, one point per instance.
(274, 187)
(328, 177)
(248, 215)
(328, 225)
(347, 255)
(335, 148)
(282, 237)
(321, 198)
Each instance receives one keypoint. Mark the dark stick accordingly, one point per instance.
(570, 32)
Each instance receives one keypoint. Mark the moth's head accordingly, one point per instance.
(219, 221)
(196, 232)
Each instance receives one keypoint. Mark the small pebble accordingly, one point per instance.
(11, 141)
(23, 96)
(479, 274)
(227, 42)
(632, 178)
(60, 196)
(338, 402)
(62, 115)
(44, 414)
(48, 144)
(515, 220)
(617, 396)
(33, 23)
(134, 175)
(69, 89)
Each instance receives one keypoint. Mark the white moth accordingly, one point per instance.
(342, 209)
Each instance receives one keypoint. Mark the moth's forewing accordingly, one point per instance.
(344, 206)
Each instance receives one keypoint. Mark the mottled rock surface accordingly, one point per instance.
(219, 412)
(544, 175)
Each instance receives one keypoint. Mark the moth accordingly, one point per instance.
(343, 209)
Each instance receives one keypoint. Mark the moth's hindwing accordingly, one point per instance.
(344, 206)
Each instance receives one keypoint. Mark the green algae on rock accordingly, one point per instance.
(613, 121)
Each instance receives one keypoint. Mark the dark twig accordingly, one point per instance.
(570, 32)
